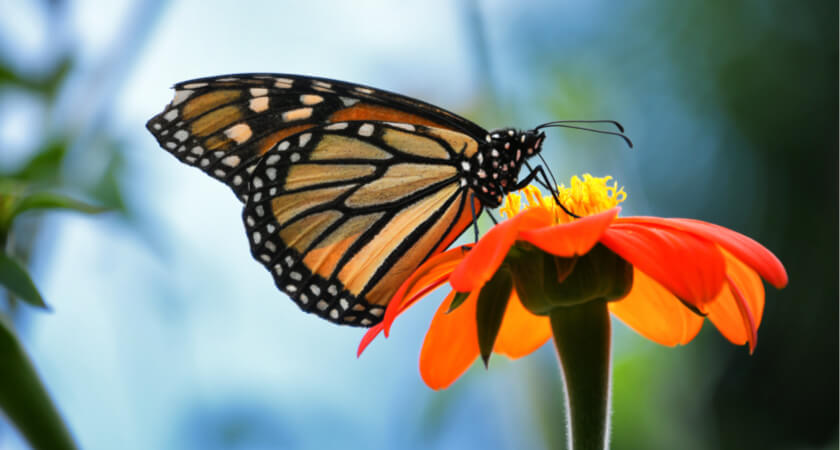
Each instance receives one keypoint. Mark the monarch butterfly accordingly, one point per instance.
(346, 189)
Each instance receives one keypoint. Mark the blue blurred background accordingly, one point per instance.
(164, 333)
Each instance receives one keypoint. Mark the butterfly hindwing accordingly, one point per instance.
(224, 125)
(342, 213)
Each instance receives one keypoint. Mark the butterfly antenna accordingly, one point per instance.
(567, 124)
(557, 122)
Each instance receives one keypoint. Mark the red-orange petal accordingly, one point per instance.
(485, 258)
(573, 238)
(655, 313)
(429, 275)
(737, 311)
(742, 247)
(369, 336)
(690, 267)
(451, 344)
(521, 332)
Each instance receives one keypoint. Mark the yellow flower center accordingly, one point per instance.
(584, 197)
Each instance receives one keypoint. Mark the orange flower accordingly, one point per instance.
(682, 271)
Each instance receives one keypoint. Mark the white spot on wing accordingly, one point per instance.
(297, 114)
(231, 161)
(404, 126)
(336, 126)
(195, 85)
(240, 132)
(170, 116)
(366, 130)
(258, 104)
(310, 99)
(304, 138)
(349, 101)
(364, 90)
(258, 92)
(181, 135)
(180, 96)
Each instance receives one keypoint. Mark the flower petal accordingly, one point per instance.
(737, 311)
(451, 344)
(655, 313)
(573, 238)
(485, 258)
(690, 267)
(522, 332)
(431, 274)
(742, 247)
(369, 336)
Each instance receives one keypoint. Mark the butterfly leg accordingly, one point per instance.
(474, 219)
(495, 222)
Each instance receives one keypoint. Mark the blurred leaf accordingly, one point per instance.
(24, 400)
(107, 189)
(17, 280)
(47, 85)
(48, 200)
(50, 84)
(45, 166)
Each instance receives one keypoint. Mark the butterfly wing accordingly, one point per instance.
(224, 125)
(342, 213)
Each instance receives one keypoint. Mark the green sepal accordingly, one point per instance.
(15, 278)
(545, 282)
(490, 309)
(458, 300)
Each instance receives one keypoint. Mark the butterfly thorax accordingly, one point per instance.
(494, 170)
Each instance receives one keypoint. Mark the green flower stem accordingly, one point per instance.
(582, 336)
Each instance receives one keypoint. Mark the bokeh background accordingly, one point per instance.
(164, 333)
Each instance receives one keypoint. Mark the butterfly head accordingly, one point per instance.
(496, 167)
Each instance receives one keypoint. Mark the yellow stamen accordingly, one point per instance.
(584, 197)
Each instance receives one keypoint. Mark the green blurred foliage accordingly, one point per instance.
(39, 185)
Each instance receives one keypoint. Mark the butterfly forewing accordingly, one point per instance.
(224, 125)
(342, 213)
